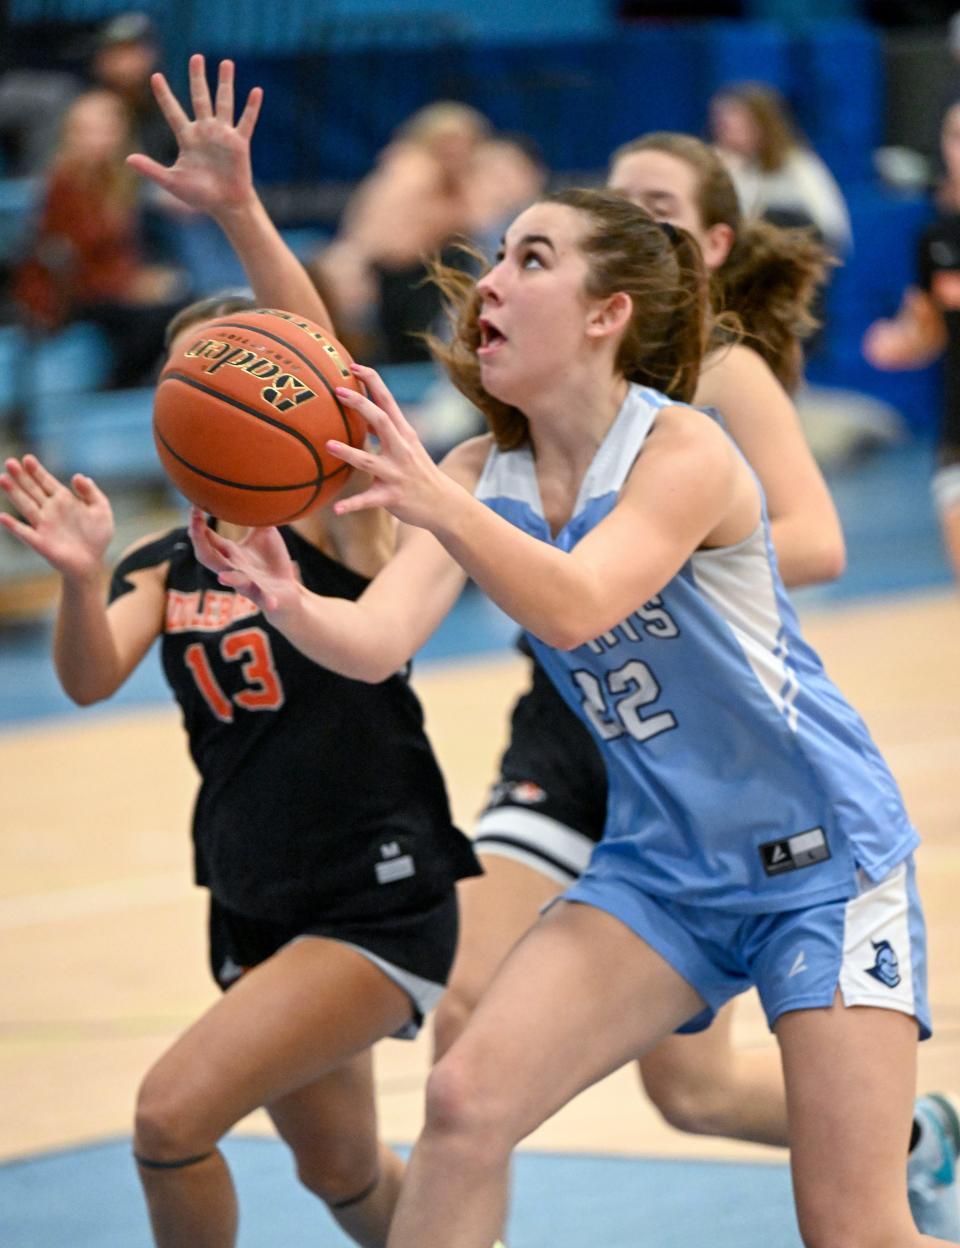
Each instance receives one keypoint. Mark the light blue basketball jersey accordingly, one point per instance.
(739, 775)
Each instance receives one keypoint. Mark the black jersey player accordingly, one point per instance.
(321, 827)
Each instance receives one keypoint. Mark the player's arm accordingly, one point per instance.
(914, 338)
(95, 648)
(688, 487)
(212, 174)
(764, 423)
(368, 639)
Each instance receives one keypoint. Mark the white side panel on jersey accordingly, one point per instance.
(738, 584)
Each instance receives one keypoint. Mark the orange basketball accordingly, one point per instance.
(243, 412)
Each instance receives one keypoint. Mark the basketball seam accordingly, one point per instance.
(300, 355)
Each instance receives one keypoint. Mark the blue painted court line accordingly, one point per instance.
(90, 1198)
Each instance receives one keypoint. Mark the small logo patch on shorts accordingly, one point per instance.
(793, 852)
(886, 967)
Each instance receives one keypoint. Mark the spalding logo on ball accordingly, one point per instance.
(243, 412)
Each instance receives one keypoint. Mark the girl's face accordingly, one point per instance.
(734, 127)
(97, 128)
(667, 188)
(534, 309)
(950, 143)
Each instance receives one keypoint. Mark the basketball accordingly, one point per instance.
(243, 412)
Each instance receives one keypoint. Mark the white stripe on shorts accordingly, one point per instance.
(552, 848)
(879, 910)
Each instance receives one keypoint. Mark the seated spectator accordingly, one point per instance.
(85, 261)
(776, 173)
(415, 202)
(126, 53)
(508, 175)
(33, 101)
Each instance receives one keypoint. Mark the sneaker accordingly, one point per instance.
(932, 1167)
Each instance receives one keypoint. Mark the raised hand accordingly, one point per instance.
(406, 481)
(259, 566)
(70, 528)
(212, 171)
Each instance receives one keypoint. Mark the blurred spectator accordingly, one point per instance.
(415, 203)
(85, 261)
(508, 174)
(124, 54)
(777, 174)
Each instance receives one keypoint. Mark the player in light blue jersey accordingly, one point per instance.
(755, 835)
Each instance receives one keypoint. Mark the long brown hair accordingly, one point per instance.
(659, 267)
(770, 276)
(777, 133)
(112, 177)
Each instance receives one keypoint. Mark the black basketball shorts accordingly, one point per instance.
(415, 950)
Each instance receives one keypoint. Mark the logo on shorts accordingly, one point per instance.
(229, 970)
(886, 968)
(520, 792)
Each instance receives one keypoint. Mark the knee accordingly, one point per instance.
(462, 1112)
(167, 1124)
(686, 1103)
(340, 1170)
(452, 1015)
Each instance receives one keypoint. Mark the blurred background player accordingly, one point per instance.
(927, 326)
(776, 172)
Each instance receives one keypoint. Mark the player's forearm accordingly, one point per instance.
(544, 589)
(808, 551)
(277, 277)
(342, 636)
(84, 652)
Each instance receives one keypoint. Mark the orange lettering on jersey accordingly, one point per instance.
(209, 611)
(264, 691)
(180, 609)
(196, 660)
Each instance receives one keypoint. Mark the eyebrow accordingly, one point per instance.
(529, 238)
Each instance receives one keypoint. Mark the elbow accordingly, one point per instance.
(84, 697)
(834, 561)
(561, 635)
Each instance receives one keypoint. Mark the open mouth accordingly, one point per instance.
(490, 338)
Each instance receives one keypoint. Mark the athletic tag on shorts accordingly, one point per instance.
(793, 852)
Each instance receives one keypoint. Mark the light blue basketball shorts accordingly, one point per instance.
(871, 948)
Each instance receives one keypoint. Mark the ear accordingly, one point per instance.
(717, 245)
(609, 316)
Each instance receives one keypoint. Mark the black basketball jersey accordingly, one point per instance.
(938, 265)
(318, 794)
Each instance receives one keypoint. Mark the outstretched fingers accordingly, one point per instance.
(251, 111)
(211, 549)
(224, 101)
(169, 105)
(378, 391)
(199, 89)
